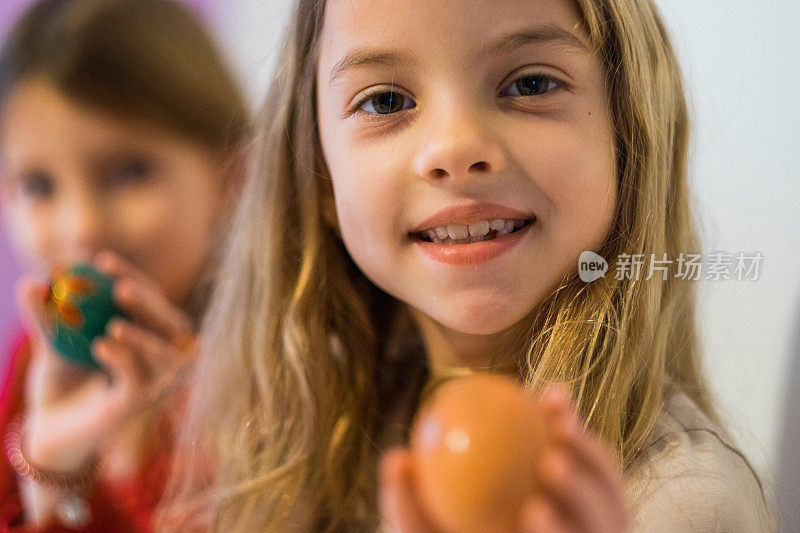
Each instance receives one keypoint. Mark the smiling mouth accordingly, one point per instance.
(486, 230)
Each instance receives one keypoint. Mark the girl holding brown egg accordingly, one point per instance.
(429, 175)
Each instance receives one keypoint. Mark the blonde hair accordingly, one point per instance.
(303, 355)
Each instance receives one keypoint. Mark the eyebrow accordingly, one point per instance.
(545, 34)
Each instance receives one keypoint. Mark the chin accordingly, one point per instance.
(477, 328)
(478, 320)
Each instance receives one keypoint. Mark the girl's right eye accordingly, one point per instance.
(38, 185)
(384, 103)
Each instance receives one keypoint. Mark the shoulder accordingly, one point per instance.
(692, 477)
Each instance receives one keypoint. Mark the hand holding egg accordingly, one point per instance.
(487, 456)
(110, 315)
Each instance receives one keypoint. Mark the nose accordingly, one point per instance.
(81, 227)
(459, 145)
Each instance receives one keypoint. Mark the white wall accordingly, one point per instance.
(742, 72)
(252, 30)
(741, 68)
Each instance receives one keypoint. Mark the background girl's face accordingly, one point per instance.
(76, 181)
(456, 102)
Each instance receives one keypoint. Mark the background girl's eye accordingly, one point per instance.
(130, 172)
(386, 102)
(38, 185)
(533, 85)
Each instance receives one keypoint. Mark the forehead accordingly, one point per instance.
(39, 118)
(457, 30)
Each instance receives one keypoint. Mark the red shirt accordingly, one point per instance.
(116, 507)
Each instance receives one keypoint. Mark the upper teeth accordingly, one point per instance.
(478, 229)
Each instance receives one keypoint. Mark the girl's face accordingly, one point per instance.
(75, 181)
(475, 111)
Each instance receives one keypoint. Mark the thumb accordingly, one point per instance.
(401, 509)
(31, 303)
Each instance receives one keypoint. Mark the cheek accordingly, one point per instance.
(369, 195)
(364, 212)
(577, 174)
(371, 199)
(146, 223)
(32, 232)
(167, 239)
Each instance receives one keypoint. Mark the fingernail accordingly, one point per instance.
(555, 393)
(123, 290)
(114, 328)
(569, 428)
(555, 467)
(100, 348)
(104, 261)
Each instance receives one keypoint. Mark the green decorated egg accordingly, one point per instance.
(79, 303)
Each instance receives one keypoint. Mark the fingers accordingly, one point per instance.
(119, 361)
(540, 516)
(144, 301)
(156, 352)
(397, 495)
(555, 402)
(161, 340)
(162, 360)
(576, 493)
(567, 429)
(581, 476)
(30, 301)
(115, 266)
(596, 459)
(589, 452)
(155, 364)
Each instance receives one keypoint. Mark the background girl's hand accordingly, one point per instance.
(71, 411)
(583, 489)
(582, 486)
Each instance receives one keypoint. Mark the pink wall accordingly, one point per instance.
(9, 274)
(10, 269)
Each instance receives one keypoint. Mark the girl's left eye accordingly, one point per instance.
(38, 185)
(130, 172)
(534, 85)
(384, 103)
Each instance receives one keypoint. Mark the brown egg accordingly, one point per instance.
(476, 443)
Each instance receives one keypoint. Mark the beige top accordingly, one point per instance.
(694, 478)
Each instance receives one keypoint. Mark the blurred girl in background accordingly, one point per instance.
(121, 136)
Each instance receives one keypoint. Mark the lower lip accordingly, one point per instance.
(475, 253)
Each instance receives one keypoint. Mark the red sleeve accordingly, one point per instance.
(11, 403)
(118, 507)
